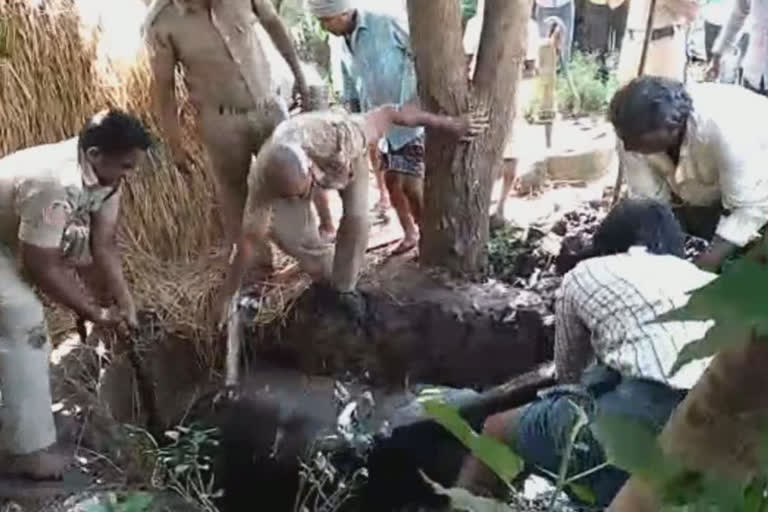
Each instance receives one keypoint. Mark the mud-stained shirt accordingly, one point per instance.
(331, 140)
(213, 45)
(47, 198)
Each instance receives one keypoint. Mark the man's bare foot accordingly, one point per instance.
(47, 464)
(327, 234)
(407, 245)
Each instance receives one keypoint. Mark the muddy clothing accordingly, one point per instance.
(605, 309)
(335, 142)
(721, 161)
(46, 200)
(667, 54)
(227, 74)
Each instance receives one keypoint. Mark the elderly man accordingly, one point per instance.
(605, 312)
(377, 66)
(59, 204)
(229, 82)
(327, 150)
(692, 148)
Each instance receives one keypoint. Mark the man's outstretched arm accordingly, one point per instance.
(379, 121)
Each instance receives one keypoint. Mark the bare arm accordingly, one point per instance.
(106, 258)
(733, 26)
(379, 121)
(163, 64)
(275, 27)
(48, 271)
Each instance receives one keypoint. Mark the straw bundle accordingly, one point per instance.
(53, 75)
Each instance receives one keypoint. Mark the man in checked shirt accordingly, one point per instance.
(635, 273)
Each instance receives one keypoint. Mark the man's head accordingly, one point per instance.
(112, 142)
(335, 16)
(650, 114)
(639, 222)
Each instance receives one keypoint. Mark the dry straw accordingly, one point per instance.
(51, 81)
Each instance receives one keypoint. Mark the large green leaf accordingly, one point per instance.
(497, 456)
(735, 300)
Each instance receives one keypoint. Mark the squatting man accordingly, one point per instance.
(59, 208)
(327, 150)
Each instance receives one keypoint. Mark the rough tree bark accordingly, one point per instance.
(459, 175)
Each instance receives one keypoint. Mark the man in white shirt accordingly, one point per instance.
(634, 274)
(755, 61)
(695, 149)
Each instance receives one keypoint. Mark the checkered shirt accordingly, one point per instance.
(604, 309)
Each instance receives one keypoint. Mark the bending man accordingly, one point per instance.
(59, 205)
(327, 150)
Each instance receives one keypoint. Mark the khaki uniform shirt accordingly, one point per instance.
(47, 198)
(214, 46)
(722, 158)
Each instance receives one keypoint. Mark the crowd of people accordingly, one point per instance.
(692, 165)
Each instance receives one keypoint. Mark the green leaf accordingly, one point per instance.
(716, 339)
(496, 455)
(584, 493)
(632, 446)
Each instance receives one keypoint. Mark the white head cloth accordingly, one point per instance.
(327, 8)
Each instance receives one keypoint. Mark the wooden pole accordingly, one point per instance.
(640, 70)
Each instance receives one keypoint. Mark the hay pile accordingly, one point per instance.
(54, 73)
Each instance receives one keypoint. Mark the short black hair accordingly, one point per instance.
(647, 104)
(114, 132)
(639, 222)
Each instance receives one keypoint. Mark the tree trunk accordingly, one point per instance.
(459, 175)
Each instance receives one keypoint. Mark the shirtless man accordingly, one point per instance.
(229, 82)
(59, 207)
(328, 150)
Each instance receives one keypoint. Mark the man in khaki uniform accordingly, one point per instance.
(327, 150)
(229, 82)
(58, 207)
(667, 55)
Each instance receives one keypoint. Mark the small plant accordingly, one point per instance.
(184, 466)
(586, 88)
(129, 502)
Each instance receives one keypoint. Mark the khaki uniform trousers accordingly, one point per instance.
(294, 230)
(26, 419)
(232, 137)
(666, 56)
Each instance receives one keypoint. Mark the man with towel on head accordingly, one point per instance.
(229, 81)
(377, 66)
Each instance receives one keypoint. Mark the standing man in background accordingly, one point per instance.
(755, 61)
(563, 10)
(377, 67)
(667, 55)
(229, 82)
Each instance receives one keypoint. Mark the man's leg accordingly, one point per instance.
(406, 170)
(379, 172)
(27, 430)
(400, 203)
(229, 151)
(508, 174)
